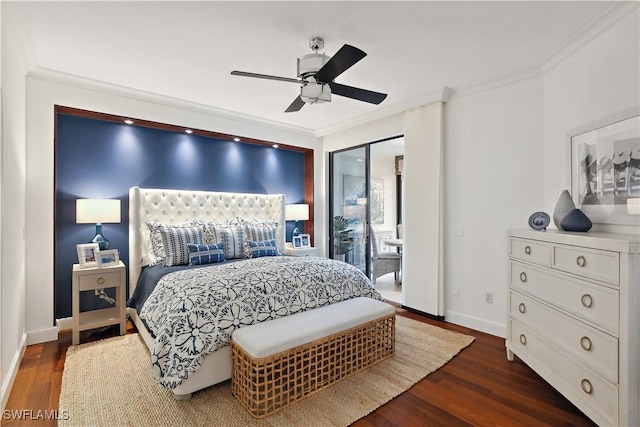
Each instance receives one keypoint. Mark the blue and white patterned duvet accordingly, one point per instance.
(194, 312)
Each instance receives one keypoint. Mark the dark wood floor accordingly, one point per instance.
(478, 387)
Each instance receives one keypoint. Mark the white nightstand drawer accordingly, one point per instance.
(592, 263)
(591, 393)
(301, 251)
(530, 250)
(99, 280)
(593, 347)
(597, 304)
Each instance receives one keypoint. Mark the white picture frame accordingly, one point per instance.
(87, 254)
(605, 172)
(305, 241)
(109, 258)
(296, 242)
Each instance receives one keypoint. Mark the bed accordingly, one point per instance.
(164, 307)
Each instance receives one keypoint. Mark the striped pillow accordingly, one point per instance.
(262, 248)
(175, 241)
(260, 233)
(205, 254)
(233, 240)
(156, 252)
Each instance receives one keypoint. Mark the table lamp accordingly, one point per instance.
(98, 211)
(297, 212)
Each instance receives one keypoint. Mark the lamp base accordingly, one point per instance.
(103, 243)
(296, 230)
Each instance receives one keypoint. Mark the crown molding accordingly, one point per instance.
(601, 23)
(386, 111)
(140, 95)
(506, 80)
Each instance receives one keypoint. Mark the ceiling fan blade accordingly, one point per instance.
(264, 76)
(296, 105)
(339, 63)
(357, 93)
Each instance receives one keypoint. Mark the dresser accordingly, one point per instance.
(573, 317)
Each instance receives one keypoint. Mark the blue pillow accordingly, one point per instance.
(233, 240)
(206, 254)
(175, 241)
(262, 248)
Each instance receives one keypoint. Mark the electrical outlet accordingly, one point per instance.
(488, 297)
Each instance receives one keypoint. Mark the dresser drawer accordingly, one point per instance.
(594, 303)
(531, 251)
(591, 263)
(590, 346)
(594, 395)
(98, 280)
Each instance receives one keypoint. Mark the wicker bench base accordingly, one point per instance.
(272, 383)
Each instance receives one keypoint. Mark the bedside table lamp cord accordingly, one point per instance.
(102, 294)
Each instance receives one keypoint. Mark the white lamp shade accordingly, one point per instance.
(298, 212)
(93, 211)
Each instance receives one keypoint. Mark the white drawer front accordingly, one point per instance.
(594, 395)
(592, 263)
(594, 348)
(595, 303)
(99, 280)
(530, 250)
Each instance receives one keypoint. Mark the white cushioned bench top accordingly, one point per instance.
(277, 335)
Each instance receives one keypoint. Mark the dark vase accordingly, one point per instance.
(576, 220)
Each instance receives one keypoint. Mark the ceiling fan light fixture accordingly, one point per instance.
(308, 65)
(315, 93)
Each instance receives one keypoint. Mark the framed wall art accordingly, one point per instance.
(605, 169)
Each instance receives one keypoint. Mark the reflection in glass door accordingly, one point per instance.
(349, 182)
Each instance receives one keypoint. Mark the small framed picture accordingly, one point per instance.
(297, 241)
(108, 258)
(87, 254)
(305, 240)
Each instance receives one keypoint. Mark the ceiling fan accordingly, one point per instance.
(316, 74)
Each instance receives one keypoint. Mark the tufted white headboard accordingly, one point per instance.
(178, 206)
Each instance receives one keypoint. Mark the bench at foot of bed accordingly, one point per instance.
(279, 362)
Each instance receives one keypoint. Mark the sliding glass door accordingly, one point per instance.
(348, 206)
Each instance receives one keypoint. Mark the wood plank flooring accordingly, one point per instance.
(479, 387)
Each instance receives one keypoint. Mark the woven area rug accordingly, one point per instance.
(109, 383)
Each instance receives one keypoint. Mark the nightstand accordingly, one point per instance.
(87, 279)
(301, 251)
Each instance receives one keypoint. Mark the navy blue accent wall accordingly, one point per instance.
(100, 159)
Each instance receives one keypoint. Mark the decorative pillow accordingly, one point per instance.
(156, 251)
(259, 233)
(233, 240)
(176, 240)
(262, 248)
(212, 233)
(205, 254)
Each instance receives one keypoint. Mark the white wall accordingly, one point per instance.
(44, 91)
(600, 80)
(493, 180)
(12, 202)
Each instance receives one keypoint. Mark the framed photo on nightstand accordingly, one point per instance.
(108, 258)
(87, 254)
(296, 241)
(305, 240)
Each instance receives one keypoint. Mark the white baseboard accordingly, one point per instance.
(64, 323)
(476, 323)
(43, 335)
(7, 385)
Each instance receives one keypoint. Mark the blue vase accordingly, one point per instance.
(576, 220)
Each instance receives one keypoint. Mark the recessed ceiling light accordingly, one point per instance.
(236, 139)
(128, 121)
(189, 131)
(275, 145)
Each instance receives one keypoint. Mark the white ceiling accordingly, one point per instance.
(186, 50)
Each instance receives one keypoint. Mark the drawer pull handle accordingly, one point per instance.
(586, 386)
(581, 261)
(586, 300)
(100, 281)
(523, 339)
(585, 343)
(522, 308)
(527, 250)
(523, 277)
